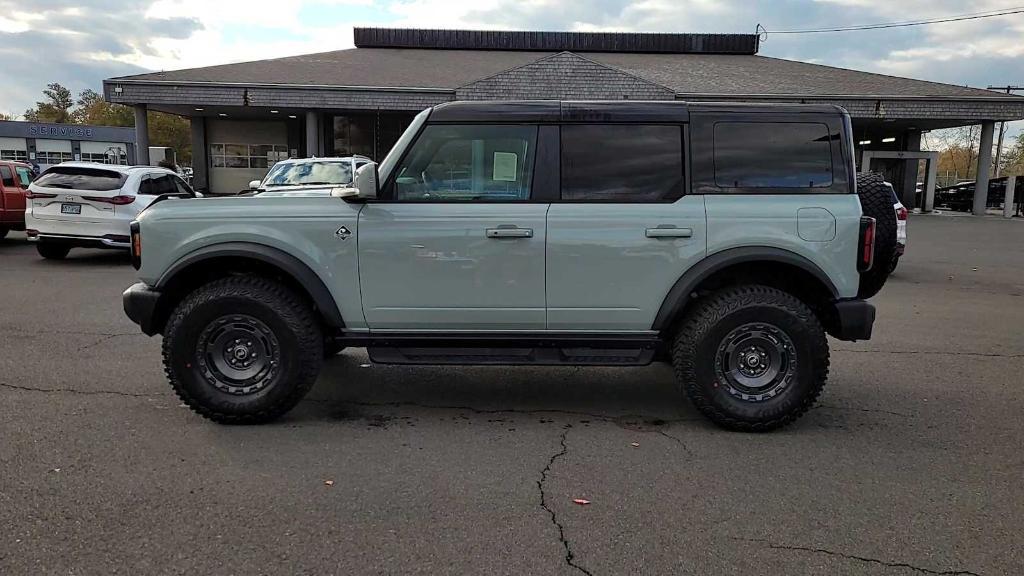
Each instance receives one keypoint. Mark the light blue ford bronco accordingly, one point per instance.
(726, 239)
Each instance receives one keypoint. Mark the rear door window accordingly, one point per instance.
(75, 178)
(772, 155)
(7, 176)
(622, 163)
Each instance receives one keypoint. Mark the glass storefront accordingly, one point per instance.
(366, 134)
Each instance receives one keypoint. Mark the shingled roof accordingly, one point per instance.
(686, 74)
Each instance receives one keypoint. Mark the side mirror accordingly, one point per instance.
(363, 188)
(254, 185)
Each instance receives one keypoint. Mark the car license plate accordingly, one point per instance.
(70, 208)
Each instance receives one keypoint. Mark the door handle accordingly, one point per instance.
(669, 232)
(509, 232)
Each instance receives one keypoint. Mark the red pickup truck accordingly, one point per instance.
(14, 180)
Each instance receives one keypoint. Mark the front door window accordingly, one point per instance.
(468, 164)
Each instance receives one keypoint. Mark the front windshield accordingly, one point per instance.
(309, 173)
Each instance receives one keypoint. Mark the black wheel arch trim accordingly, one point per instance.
(680, 292)
(291, 265)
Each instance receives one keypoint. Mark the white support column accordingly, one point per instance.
(1011, 183)
(984, 168)
(141, 135)
(929, 184)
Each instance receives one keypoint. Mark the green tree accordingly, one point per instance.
(55, 108)
(93, 109)
(1012, 162)
(172, 131)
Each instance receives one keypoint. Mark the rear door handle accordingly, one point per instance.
(509, 232)
(669, 232)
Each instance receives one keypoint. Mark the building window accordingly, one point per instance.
(260, 156)
(17, 155)
(53, 157)
(110, 158)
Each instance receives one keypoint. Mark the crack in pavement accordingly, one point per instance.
(828, 552)
(82, 392)
(936, 352)
(569, 557)
(677, 440)
(105, 338)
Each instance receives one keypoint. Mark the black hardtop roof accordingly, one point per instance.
(607, 110)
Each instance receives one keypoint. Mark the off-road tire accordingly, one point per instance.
(893, 264)
(53, 251)
(712, 319)
(876, 202)
(289, 319)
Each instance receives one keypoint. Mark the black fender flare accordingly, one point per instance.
(680, 292)
(291, 265)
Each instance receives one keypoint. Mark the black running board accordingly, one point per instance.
(507, 356)
(509, 348)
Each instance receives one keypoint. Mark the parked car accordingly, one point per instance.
(90, 205)
(902, 214)
(308, 174)
(15, 178)
(537, 233)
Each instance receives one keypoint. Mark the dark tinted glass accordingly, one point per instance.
(634, 163)
(164, 185)
(772, 155)
(73, 178)
(7, 176)
(147, 187)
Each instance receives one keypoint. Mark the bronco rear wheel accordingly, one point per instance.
(751, 358)
(242, 349)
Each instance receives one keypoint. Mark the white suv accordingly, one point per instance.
(90, 205)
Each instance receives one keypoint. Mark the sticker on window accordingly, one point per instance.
(505, 166)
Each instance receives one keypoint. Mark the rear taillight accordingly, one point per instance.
(866, 245)
(34, 195)
(136, 245)
(119, 200)
(902, 214)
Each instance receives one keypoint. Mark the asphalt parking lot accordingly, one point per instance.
(910, 464)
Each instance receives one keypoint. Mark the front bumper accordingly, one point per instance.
(853, 320)
(140, 304)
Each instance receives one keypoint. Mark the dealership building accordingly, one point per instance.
(48, 144)
(358, 101)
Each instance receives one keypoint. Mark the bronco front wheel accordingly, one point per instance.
(242, 350)
(751, 358)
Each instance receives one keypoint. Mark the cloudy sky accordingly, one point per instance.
(79, 43)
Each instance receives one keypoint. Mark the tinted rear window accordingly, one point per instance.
(619, 163)
(772, 155)
(73, 178)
